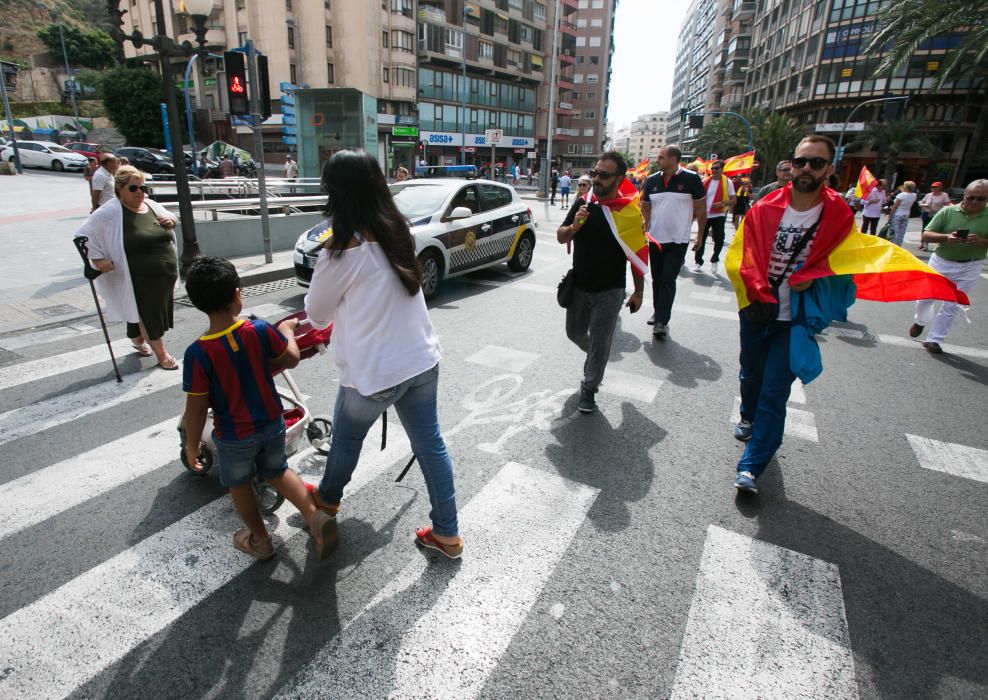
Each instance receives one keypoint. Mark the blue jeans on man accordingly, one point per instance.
(415, 401)
(766, 381)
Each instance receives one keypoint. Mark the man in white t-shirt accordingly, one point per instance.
(872, 207)
(766, 375)
(103, 190)
(721, 198)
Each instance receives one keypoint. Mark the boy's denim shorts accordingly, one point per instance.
(261, 455)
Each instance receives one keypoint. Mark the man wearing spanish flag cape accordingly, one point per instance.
(797, 263)
(607, 234)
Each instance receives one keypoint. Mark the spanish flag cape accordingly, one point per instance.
(624, 216)
(882, 271)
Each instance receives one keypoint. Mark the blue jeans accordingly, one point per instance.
(415, 401)
(766, 381)
(261, 454)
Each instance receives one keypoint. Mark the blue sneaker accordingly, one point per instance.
(742, 431)
(746, 482)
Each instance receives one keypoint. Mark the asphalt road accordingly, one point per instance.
(606, 555)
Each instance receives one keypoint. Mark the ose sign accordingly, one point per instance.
(493, 135)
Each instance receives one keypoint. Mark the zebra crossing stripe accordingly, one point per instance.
(268, 311)
(949, 458)
(54, 645)
(33, 370)
(48, 335)
(796, 393)
(764, 622)
(42, 415)
(507, 359)
(799, 423)
(438, 630)
(40, 495)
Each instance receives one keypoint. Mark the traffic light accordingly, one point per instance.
(695, 121)
(236, 83)
(262, 76)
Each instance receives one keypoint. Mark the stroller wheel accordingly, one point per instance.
(320, 431)
(268, 499)
(205, 461)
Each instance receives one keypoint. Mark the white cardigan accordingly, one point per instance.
(104, 229)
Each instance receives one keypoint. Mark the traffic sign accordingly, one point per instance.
(287, 100)
(493, 135)
(404, 131)
(288, 119)
(290, 140)
(289, 131)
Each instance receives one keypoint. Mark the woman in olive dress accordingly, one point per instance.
(132, 242)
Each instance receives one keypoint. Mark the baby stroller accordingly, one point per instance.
(298, 420)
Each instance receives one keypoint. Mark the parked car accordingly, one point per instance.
(150, 160)
(458, 228)
(45, 154)
(90, 150)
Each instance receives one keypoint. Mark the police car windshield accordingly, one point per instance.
(415, 201)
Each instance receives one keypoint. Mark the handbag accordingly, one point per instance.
(886, 231)
(564, 292)
(768, 311)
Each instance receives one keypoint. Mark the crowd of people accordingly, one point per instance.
(368, 283)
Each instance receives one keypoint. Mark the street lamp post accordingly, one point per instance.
(546, 176)
(463, 92)
(840, 141)
(57, 18)
(167, 48)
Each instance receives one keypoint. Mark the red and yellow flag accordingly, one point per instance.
(866, 183)
(882, 271)
(702, 166)
(624, 216)
(740, 164)
(640, 171)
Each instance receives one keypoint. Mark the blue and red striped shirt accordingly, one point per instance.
(233, 368)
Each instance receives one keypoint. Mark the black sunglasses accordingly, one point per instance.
(143, 188)
(583, 184)
(815, 163)
(601, 174)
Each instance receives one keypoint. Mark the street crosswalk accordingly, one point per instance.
(793, 626)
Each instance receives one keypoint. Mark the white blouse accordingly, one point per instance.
(381, 334)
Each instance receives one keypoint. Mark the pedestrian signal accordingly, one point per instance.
(236, 83)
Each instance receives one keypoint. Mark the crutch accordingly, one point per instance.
(90, 274)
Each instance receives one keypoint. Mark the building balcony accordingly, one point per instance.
(569, 6)
(568, 28)
(430, 13)
(743, 10)
(735, 75)
(738, 53)
(567, 57)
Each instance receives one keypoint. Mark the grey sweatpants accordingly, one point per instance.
(590, 322)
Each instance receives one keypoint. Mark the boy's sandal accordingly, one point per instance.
(144, 350)
(424, 538)
(170, 363)
(244, 540)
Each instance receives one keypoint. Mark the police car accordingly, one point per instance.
(458, 227)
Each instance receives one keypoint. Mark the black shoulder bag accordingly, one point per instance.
(765, 311)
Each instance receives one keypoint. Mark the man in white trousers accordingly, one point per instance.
(961, 234)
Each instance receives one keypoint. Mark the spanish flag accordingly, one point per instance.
(882, 271)
(740, 164)
(640, 171)
(702, 166)
(866, 183)
(624, 216)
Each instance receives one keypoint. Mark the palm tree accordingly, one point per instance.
(905, 26)
(775, 136)
(890, 139)
(725, 136)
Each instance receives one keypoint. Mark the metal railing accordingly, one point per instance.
(249, 207)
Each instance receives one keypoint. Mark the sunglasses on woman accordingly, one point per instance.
(143, 188)
(583, 184)
(815, 163)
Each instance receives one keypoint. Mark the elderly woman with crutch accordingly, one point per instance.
(131, 240)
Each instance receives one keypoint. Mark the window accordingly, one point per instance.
(594, 60)
(593, 78)
(595, 41)
(581, 41)
(384, 38)
(329, 36)
(486, 49)
(596, 22)
(588, 132)
(403, 77)
(581, 23)
(587, 148)
(539, 11)
(402, 41)
(598, 4)
(292, 73)
(328, 5)
(402, 7)
(571, 148)
(578, 78)
(385, 74)
(330, 73)
(242, 38)
(589, 114)
(288, 4)
(291, 37)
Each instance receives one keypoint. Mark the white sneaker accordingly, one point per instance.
(698, 268)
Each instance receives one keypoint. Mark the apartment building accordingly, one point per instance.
(807, 58)
(584, 54)
(647, 135)
(481, 63)
(369, 45)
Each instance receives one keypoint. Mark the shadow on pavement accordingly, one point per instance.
(686, 367)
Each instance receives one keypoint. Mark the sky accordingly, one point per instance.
(645, 33)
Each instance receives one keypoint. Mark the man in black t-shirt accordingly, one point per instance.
(599, 270)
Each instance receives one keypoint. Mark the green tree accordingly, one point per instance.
(905, 26)
(775, 136)
(889, 140)
(725, 136)
(93, 49)
(132, 97)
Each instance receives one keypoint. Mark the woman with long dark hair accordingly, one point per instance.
(368, 283)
